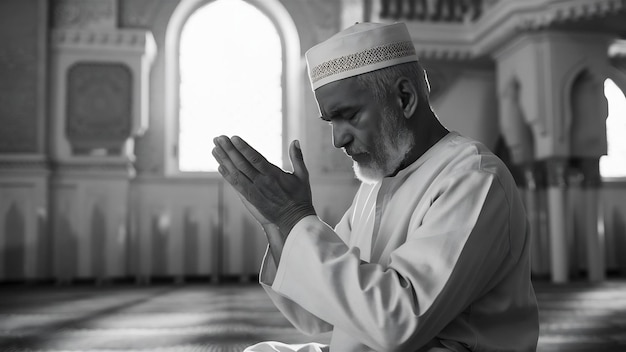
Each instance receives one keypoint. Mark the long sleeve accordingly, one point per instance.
(302, 319)
(299, 317)
(413, 298)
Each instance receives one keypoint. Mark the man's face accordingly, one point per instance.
(374, 135)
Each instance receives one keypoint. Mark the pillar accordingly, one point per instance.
(594, 237)
(556, 72)
(99, 95)
(556, 198)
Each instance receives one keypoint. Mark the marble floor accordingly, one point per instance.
(204, 317)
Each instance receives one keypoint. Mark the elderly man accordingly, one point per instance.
(432, 255)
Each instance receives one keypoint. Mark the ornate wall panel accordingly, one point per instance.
(100, 92)
(99, 107)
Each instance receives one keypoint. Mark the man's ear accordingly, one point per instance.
(407, 97)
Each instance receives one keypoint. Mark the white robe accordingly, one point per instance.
(437, 255)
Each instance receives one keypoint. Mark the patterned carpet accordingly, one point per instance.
(574, 317)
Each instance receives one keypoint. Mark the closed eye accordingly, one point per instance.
(343, 114)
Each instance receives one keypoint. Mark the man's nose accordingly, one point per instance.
(341, 135)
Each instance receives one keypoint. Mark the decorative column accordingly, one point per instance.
(519, 139)
(556, 200)
(99, 98)
(554, 72)
(587, 134)
(591, 211)
(535, 202)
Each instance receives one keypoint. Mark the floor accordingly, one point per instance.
(582, 316)
(204, 317)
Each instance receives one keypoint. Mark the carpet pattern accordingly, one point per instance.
(573, 317)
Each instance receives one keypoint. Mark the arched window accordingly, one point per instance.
(614, 163)
(231, 69)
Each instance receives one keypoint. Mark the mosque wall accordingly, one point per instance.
(114, 210)
(23, 123)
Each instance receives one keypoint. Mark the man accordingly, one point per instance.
(432, 255)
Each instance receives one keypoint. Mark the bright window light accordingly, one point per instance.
(230, 83)
(614, 163)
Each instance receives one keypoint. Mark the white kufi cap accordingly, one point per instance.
(361, 48)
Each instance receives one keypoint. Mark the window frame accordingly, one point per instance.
(290, 79)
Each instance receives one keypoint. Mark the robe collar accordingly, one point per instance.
(392, 182)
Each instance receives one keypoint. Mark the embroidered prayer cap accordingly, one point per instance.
(361, 48)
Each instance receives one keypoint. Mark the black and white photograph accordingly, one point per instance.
(312, 175)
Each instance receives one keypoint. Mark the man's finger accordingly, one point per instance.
(223, 159)
(227, 169)
(297, 161)
(240, 162)
(231, 174)
(255, 158)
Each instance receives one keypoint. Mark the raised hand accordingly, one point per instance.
(254, 211)
(280, 197)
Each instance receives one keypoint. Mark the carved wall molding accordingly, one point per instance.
(99, 106)
(113, 40)
(449, 11)
(557, 13)
(500, 23)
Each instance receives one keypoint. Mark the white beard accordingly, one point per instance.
(367, 175)
(390, 150)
